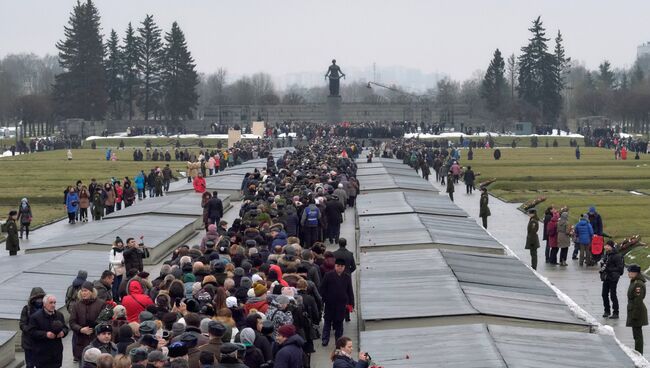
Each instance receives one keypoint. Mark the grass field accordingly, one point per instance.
(42, 177)
(156, 142)
(594, 180)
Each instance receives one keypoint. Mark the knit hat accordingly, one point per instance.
(289, 291)
(189, 339)
(88, 286)
(156, 356)
(592, 209)
(148, 327)
(138, 355)
(247, 336)
(119, 311)
(178, 329)
(256, 278)
(239, 271)
(149, 341)
(205, 322)
(282, 299)
(245, 282)
(231, 302)
(82, 274)
(209, 279)
(91, 355)
(250, 293)
(286, 330)
(188, 277)
(259, 290)
(145, 316)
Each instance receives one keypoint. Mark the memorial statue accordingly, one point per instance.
(334, 73)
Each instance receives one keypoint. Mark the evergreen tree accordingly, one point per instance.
(493, 88)
(80, 90)
(605, 76)
(540, 73)
(637, 75)
(150, 53)
(179, 76)
(114, 83)
(130, 59)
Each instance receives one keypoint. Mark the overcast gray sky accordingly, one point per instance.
(279, 37)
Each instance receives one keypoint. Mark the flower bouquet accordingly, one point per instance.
(486, 183)
(628, 243)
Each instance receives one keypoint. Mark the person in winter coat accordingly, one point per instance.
(548, 214)
(334, 216)
(551, 230)
(211, 235)
(596, 221)
(12, 244)
(47, 329)
(563, 236)
(139, 185)
(135, 301)
(583, 234)
(253, 357)
(341, 194)
(637, 314)
(83, 317)
(72, 204)
(450, 186)
(134, 255)
(611, 269)
(34, 304)
(215, 209)
(310, 223)
(98, 205)
(279, 314)
(109, 198)
(338, 297)
(199, 183)
(532, 240)
(104, 286)
(288, 348)
(24, 217)
(469, 178)
(128, 195)
(484, 209)
(342, 355)
(345, 254)
(116, 265)
(84, 204)
(102, 341)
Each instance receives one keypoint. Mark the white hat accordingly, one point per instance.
(231, 302)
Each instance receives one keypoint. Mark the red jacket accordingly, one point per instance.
(135, 301)
(261, 306)
(199, 184)
(551, 231)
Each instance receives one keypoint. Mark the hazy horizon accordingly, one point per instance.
(290, 38)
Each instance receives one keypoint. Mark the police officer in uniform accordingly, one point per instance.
(637, 314)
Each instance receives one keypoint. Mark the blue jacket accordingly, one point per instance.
(596, 223)
(280, 240)
(72, 202)
(139, 181)
(584, 232)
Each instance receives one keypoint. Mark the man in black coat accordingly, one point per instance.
(47, 328)
(611, 269)
(338, 297)
(334, 216)
(343, 253)
(134, 254)
(215, 209)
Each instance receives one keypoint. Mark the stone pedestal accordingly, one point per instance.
(334, 114)
(234, 136)
(258, 128)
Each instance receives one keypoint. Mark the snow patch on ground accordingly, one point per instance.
(123, 135)
(485, 134)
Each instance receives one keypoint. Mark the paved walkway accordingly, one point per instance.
(508, 225)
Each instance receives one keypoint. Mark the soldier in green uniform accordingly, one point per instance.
(98, 205)
(637, 314)
(10, 227)
(450, 186)
(484, 211)
(532, 240)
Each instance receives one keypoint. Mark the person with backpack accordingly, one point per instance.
(71, 292)
(310, 223)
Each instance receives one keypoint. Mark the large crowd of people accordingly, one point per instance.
(251, 293)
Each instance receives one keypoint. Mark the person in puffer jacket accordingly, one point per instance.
(583, 233)
(135, 301)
